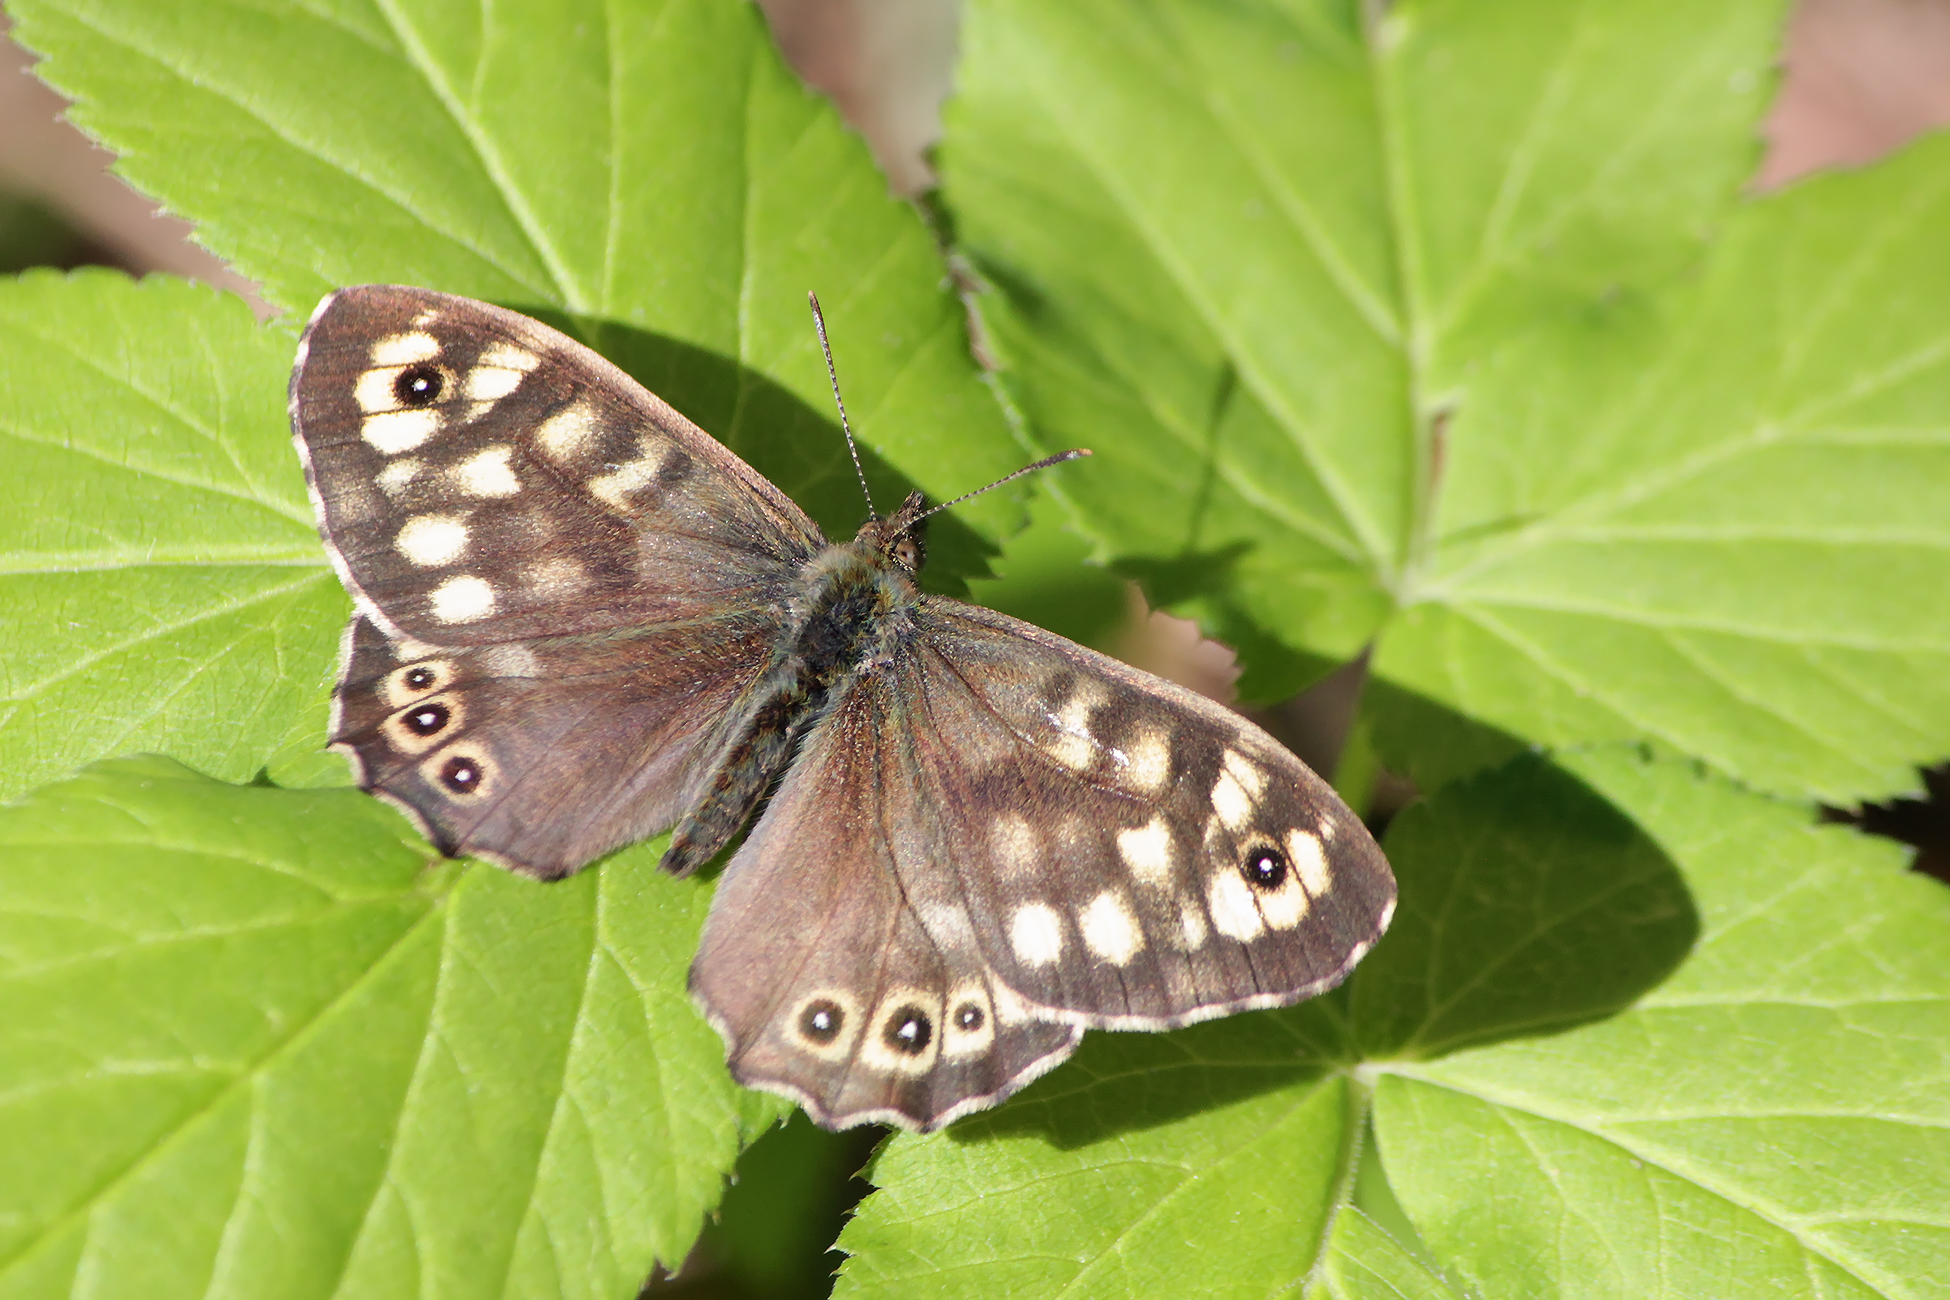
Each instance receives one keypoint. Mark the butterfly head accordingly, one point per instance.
(900, 538)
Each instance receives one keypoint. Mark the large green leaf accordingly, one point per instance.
(1448, 331)
(258, 1043)
(162, 585)
(1616, 1045)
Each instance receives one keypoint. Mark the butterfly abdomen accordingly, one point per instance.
(851, 611)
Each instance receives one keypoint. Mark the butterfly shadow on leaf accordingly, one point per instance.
(1121, 1083)
(1530, 905)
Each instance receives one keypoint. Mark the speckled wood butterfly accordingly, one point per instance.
(581, 621)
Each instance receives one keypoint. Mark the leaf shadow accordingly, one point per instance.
(798, 446)
(1529, 906)
(1120, 1083)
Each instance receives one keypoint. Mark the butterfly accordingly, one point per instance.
(580, 621)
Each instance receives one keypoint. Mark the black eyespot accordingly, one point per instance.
(427, 719)
(908, 1031)
(969, 1017)
(822, 1021)
(461, 774)
(418, 385)
(418, 679)
(1265, 867)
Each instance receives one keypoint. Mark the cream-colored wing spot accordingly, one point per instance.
(1015, 845)
(419, 727)
(1036, 934)
(462, 599)
(1230, 802)
(903, 1036)
(825, 1023)
(560, 576)
(1148, 760)
(405, 349)
(969, 1029)
(568, 434)
(1147, 852)
(487, 474)
(374, 389)
(462, 771)
(391, 432)
(620, 484)
(416, 681)
(498, 372)
(431, 540)
(513, 660)
(1192, 928)
(1109, 929)
(1234, 913)
(1283, 907)
(948, 925)
(1310, 862)
(1075, 745)
(399, 475)
(1250, 776)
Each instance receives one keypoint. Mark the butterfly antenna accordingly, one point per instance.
(819, 324)
(1076, 453)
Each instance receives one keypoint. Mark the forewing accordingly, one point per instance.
(832, 963)
(482, 478)
(1129, 854)
(545, 754)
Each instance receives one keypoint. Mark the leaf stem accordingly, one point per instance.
(1360, 1098)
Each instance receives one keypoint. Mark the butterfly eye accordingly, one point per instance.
(426, 720)
(1265, 867)
(418, 386)
(908, 1031)
(461, 774)
(822, 1021)
(907, 552)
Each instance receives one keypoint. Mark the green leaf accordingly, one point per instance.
(1197, 1163)
(1614, 1045)
(1776, 1112)
(258, 1043)
(650, 177)
(1364, 1263)
(160, 576)
(1449, 333)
